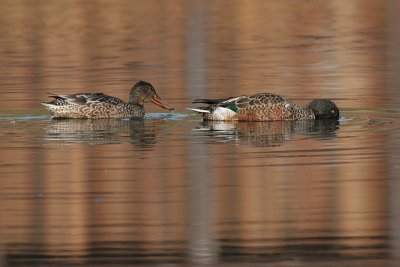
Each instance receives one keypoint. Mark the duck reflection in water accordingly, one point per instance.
(139, 132)
(268, 133)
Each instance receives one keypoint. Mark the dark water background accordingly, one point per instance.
(170, 189)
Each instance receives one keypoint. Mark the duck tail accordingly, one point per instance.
(209, 101)
(49, 106)
(199, 110)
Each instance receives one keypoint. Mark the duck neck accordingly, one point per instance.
(135, 97)
(308, 108)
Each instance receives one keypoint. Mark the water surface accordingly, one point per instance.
(171, 189)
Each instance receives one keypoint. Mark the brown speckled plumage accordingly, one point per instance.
(99, 105)
(265, 107)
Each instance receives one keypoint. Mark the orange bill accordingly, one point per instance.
(159, 102)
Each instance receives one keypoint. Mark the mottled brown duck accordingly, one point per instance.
(265, 107)
(99, 105)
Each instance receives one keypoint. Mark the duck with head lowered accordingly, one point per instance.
(99, 105)
(265, 107)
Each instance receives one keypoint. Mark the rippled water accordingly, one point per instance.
(171, 189)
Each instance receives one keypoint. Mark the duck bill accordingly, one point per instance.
(159, 102)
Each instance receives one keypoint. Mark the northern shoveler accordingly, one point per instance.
(265, 107)
(99, 105)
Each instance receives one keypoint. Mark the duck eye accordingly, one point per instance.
(333, 111)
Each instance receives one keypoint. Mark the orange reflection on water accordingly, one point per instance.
(168, 190)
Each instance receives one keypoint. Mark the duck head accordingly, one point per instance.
(324, 109)
(143, 92)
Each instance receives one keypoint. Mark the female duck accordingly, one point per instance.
(99, 105)
(265, 107)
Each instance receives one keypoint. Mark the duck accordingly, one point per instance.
(265, 107)
(99, 105)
